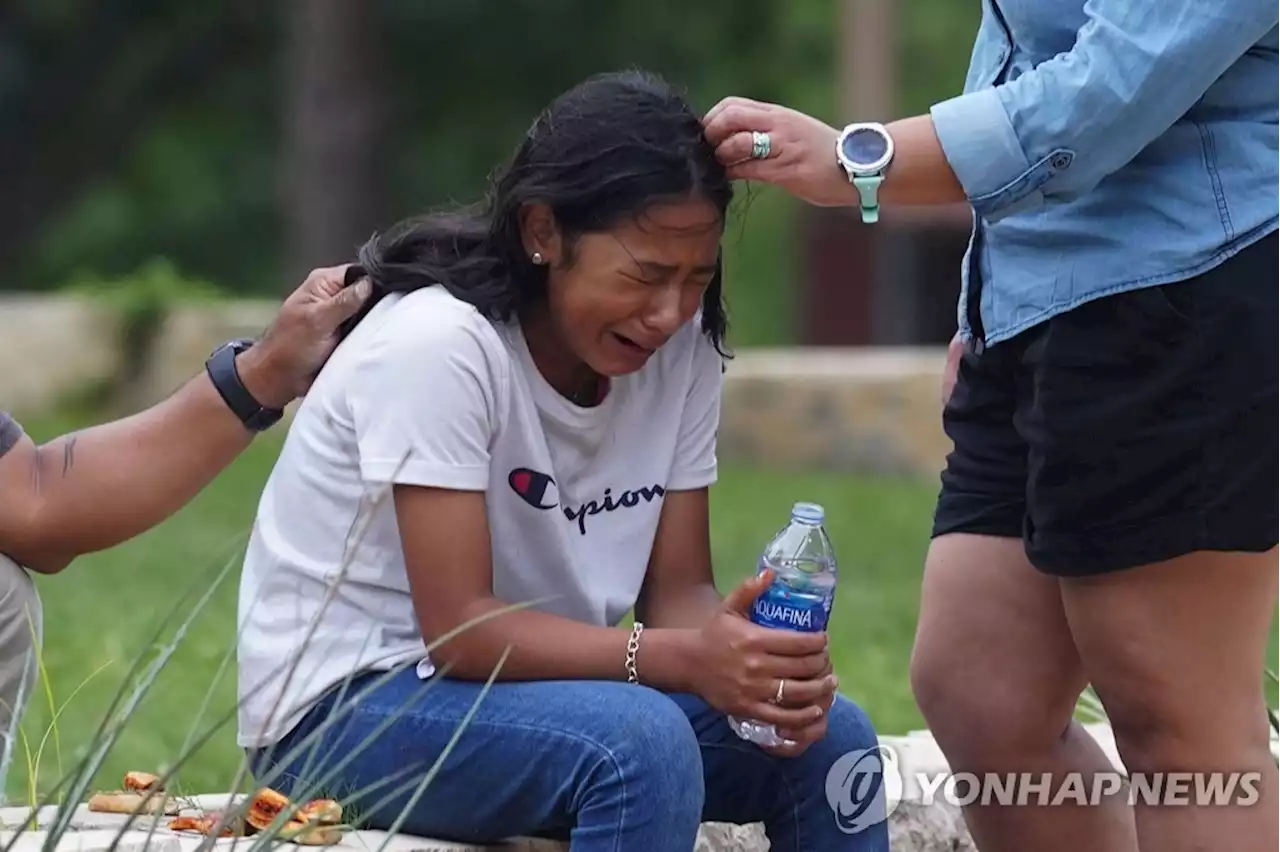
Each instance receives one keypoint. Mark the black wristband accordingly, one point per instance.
(221, 368)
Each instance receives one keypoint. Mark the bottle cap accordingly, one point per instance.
(810, 512)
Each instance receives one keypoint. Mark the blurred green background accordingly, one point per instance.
(249, 142)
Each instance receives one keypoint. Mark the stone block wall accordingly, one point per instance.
(191, 333)
(865, 410)
(53, 345)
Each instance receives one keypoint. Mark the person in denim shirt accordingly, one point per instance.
(1108, 513)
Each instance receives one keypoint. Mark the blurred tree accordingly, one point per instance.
(334, 122)
(83, 88)
(249, 141)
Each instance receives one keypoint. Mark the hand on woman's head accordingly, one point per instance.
(801, 156)
(609, 214)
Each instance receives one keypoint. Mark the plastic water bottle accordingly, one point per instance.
(800, 596)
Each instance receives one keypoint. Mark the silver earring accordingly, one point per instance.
(537, 257)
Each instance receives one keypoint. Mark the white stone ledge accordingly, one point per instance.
(93, 841)
(857, 410)
(916, 825)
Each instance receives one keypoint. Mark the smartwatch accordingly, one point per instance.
(864, 151)
(221, 368)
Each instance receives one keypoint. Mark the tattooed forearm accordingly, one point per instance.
(45, 454)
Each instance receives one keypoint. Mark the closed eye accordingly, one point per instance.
(698, 281)
(662, 270)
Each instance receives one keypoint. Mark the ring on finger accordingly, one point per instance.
(782, 687)
(761, 145)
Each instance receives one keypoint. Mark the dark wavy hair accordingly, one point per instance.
(603, 151)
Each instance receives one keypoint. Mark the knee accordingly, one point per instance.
(19, 603)
(20, 632)
(850, 732)
(20, 614)
(849, 728)
(652, 752)
(991, 717)
(1195, 734)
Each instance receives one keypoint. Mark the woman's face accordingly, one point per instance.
(627, 291)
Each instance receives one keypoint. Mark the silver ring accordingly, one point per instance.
(760, 145)
(777, 697)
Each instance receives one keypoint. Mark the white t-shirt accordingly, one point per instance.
(427, 391)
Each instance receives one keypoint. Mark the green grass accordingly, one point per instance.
(102, 612)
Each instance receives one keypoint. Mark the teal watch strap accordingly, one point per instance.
(868, 189)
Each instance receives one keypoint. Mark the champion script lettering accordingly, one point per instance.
(539, 491)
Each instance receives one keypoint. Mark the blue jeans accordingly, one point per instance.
(607, 766)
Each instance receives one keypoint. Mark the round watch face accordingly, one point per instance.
(864, 147)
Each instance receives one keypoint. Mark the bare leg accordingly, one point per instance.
(1176, 653)
(997, 676)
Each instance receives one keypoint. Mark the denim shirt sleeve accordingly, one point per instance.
(1063, 126)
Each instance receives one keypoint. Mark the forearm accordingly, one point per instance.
(1064, 125)
(920, 173)
(550, 647)
(103, 485)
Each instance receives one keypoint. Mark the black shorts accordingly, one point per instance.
(1130, 430)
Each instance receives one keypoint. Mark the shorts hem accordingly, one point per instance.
(961, 511)
(1107, 551)
(985, 526)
